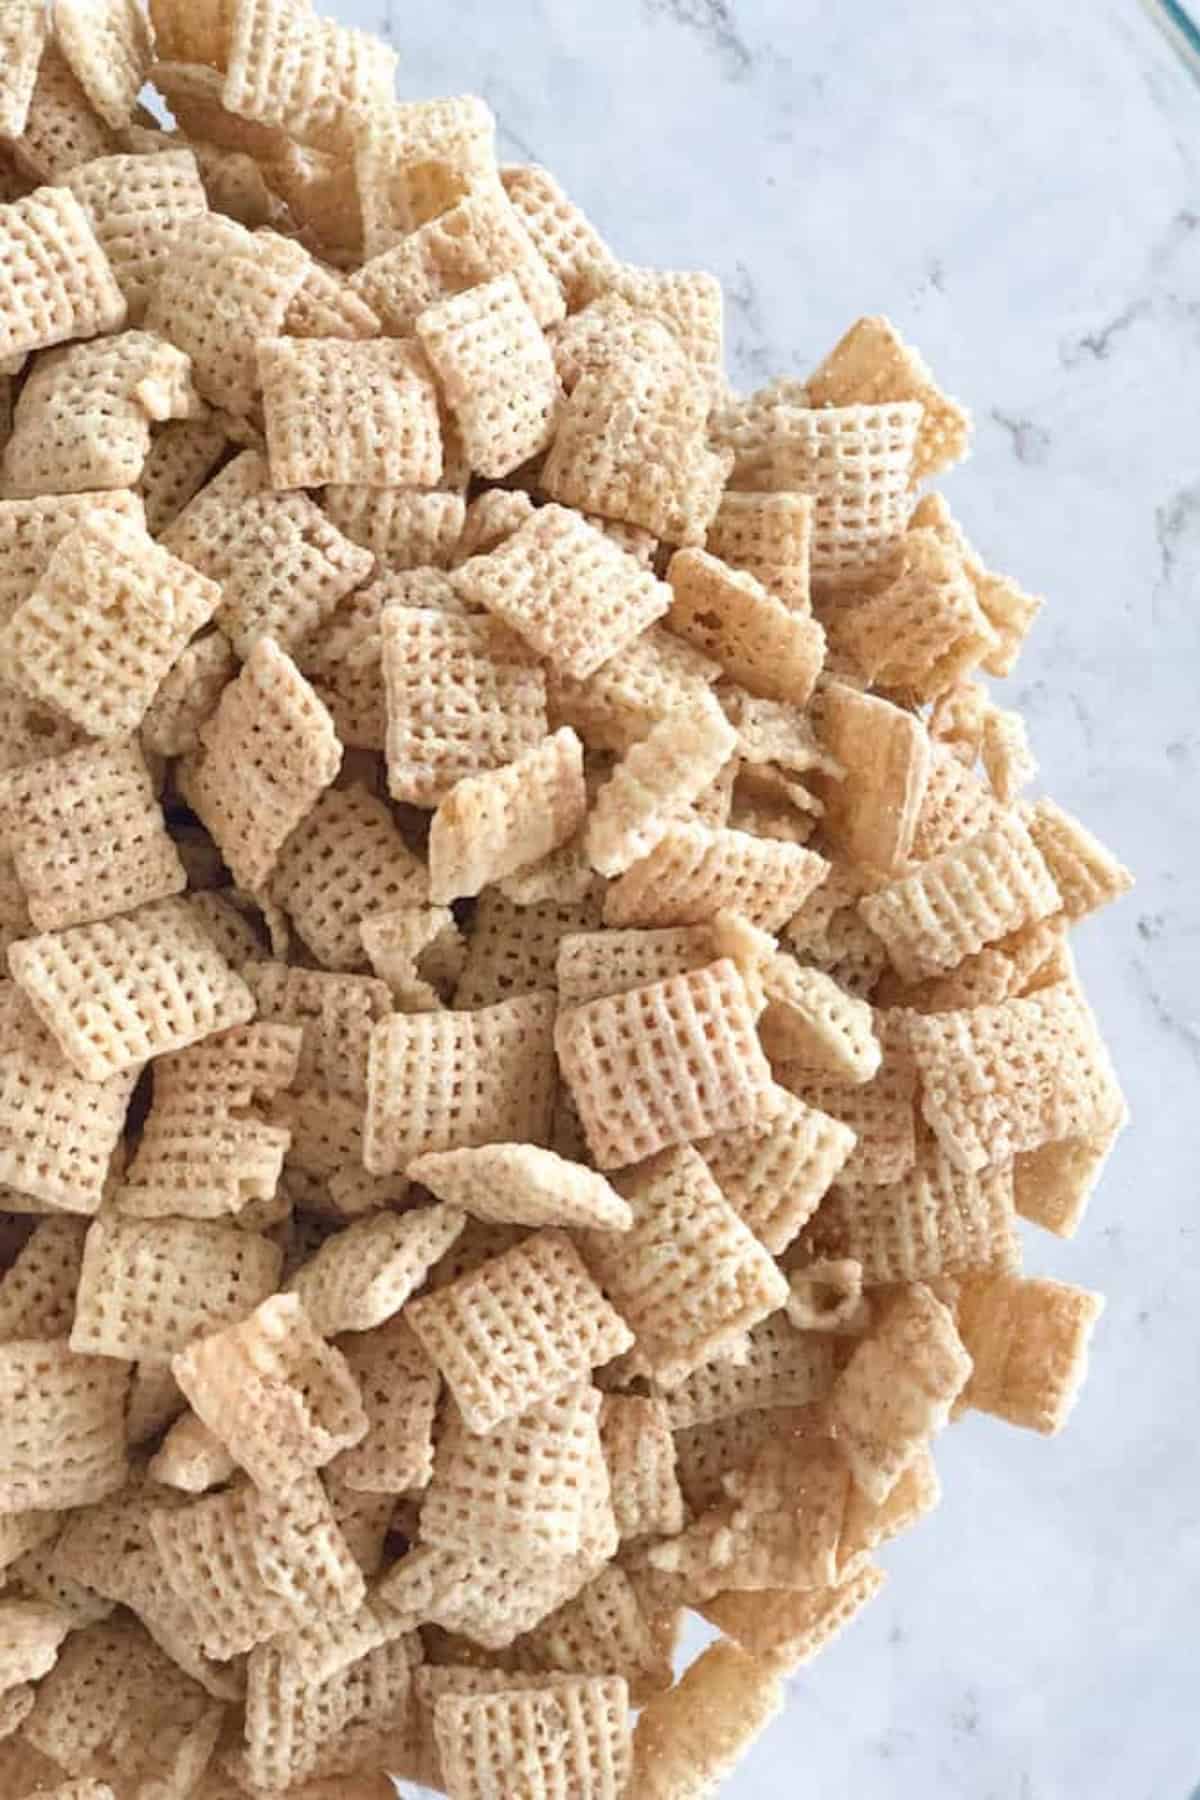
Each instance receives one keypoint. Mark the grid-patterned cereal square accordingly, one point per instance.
(872, 363)
(399, 1387)
(108, 45)
(403, 529)
(514, 949)
(571, 246)
(55, 281)
(569, 1737)
(349, 413)
(688, 302)
(62, 1426)
(492, 825)
(496, 373)
(285, 66)
(416, 160)
(767, 647)
(775, 1174)
(363, 1275)
(31, 531)
(614, 709)
(346, 861)
(925, 630)
(62, 129)
(694, 872)
(139, 207)
(336, 1014)
(23, 30)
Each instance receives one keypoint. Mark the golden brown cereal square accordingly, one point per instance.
(871, 813)
(788, 1628)
(925, 630)
(418, 950)
(1086, 874)
(349, 413)
(614, 708)
(37, 1290)
(108, 46)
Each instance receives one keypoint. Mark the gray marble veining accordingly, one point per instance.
(1018, 186)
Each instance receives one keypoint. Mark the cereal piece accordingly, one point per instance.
(568, 1738)
(1052, 1185)
(871, 813)
(631, 446)
(191, 1458)
(665, 1063)
(363, 1275)
(417, 160)
(570, 244)
(250, 1565)
(523, 1489)
(299, 1725)
(37, 1291)
(202, 520)
(768, 648)
(810, 1020)
(349, 413)
(15, 1707)
(956, 806)
(768, 536)
(108, 46)
(1087, 875)
(1007, 759)
(419, 951)
(123, 990)
(897, 1389)
(998, 1080)
(872, 363)
(616, 707)
(881, 1112)
(776, 1367)
(275, 1395)
(775, 1174)
(30, 532)
(490, 1599)
(62, 1441)
(514, 949)
(610, 330)
(520, 1184)
(109, 617)
(270, 721)
(326, 306)
(688, 1740)
(1029, 1344)
(188, 696)
(222, 290)
(1009, 611)
(548, 1325)
(478, 240)
(146, 1289)
(954, 904)
(828, 1296)
(786, 1628)
(193, 91)
(60, 1130)
(688, 303)
(88, 836)
(61, 130)
(640, 1453)
(496, 373)
(957, 717)
(323, 200)
(935, 1221)
(30, 1634)
(491, 825)
(399, 1388)
(925, 630)
(23, 32)
(401, 528)
(593, 965)
(492, 518)
(182, 456)
(464, 696)
(319, 79)
(346, 861)
(655, 782)
(336, 1013)
(694, 872)
(607, 1629)
(569, 591)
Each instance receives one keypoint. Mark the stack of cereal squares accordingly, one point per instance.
(536, 996)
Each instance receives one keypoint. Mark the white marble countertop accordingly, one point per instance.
(1018, 186)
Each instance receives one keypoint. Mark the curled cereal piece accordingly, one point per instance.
(364, 1275)
(75, 293)
(491, 825)
(496, 373)
(344, 413)
(521, 1184)
(897, 1389)
(1028, 1340)
(568, 1736)
(655, 782)
(688, 1740)
(1007, 759)
(191, 1458)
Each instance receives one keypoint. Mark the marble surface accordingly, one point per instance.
(1018, 186)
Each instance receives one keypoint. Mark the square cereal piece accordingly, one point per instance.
(287, 67)
(688, 1740)
(610, 330)
(183, 454)
(419, 951)
(548, 1325)
(1086, 874)
(616, 707)
(775, 1174)
(520, 1184)
(570, 1737)
(575, 596)
(1052, 1185)
(478, 240)
(37, 1290)
(351, 1719)
(344, 413)
(279, 1398)
(30, 532)
(62, 131)
(88, 836)
(881, 1112)
(514, 949)
(201, 523)
(363, 1275)
(491, 518)
(522, 1490)
(769, 536)
(640, 1452)
(23, 31)
(767, 647)
(417, 159)
(463, 696)
(110, 615)
(250, 1565)
(188, 696)
(613, 1626)
(335, 1013)
(662, 1064)
(265, 757)
(693, 873)
(872, 811)
(82, 421)
(107, 44)
(1000, 1080)
(935, 1221)
(897, 1389)
(139, 207)
(221, 290)
(788, 1628)
(593, 965)
(147, 1288)
(72, 291)
(62, 1426)
(689, 1277)
(631, 445)
(326, 306)
(810, 1020)
(1029, 1343)
(496, 372)
(871, 363)
(953, 905)
(925, 630)
(449, 1080)
(403, 529)
(345, 862)
(399, 1387)
(491, 825)
(60, 1131)
(777, 1367)
(1009, 610)
(122, 990)
(689, 303)
(571, 246)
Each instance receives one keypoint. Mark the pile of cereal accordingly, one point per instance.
(536, 1000)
